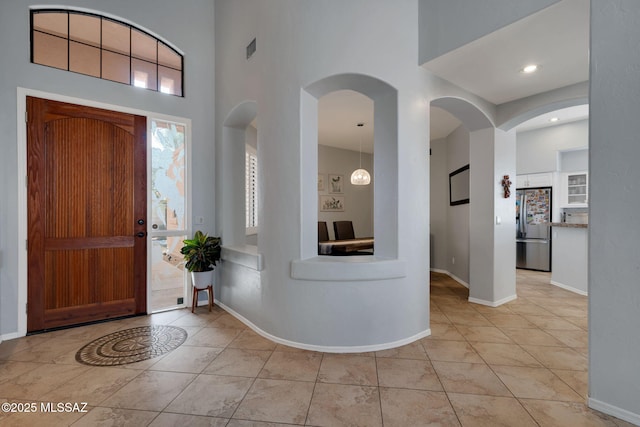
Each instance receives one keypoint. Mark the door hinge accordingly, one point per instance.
(26, 244)
(26, 116)
(26, 308)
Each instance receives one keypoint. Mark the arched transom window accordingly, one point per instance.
(102, 47)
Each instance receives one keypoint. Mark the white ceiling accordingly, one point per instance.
(556, 38)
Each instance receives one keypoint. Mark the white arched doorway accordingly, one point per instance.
(491, 245)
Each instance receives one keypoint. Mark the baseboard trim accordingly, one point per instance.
(609, 409)
(493, 303)
(321, 348)
(453, 276)
(10, 336)
(569, 288)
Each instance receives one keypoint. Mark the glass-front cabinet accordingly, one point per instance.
(575, 187)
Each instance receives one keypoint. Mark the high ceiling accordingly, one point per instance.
(556, 38)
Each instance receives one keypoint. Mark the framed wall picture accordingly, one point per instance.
(331, 203)
(321, 182)
(459, 186)
(336, 184)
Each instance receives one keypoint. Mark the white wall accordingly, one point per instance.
(448, 24)
(299, 43)
(614, 294)
(458, 216)
(358, 199)
(439, 206)
(574, 160)
(158, 16)
(537, 150)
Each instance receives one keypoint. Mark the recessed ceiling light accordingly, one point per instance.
(554, 119)
(531, 68)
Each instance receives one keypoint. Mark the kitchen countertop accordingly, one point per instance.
(567, 225)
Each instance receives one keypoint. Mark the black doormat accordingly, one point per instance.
(131, 345)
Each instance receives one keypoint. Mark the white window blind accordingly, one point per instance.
(251, 189)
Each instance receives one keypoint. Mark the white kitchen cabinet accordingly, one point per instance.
(533, 180)
(575, 189)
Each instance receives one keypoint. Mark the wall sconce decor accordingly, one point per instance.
(506, 186)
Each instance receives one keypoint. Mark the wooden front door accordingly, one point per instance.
(87, 213)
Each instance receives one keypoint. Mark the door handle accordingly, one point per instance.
(141, 234)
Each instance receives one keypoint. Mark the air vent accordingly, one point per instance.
(251, 48)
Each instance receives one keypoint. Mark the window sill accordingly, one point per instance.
(348, 268)
(246, 256)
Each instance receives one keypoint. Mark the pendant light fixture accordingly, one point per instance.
(360, 176)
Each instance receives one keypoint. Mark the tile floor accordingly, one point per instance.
(521, 364)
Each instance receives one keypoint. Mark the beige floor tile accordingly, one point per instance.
(292, 366)
(50, 351)
(92, 386)
(407, 373)
(348, 369)
(238, 362)
(471, 319)
(442, 331)
(252, 341)
(228, 321)
(438, 318)
(577, 380)
(536, 383)
(525, 308)
(565, 311)
(490, 411)
(551, 322)
(115, 417)
(415, 350)
(200, 320)
(248, 423)
(484, 334)
(211, 395)
(578, 338)
(213, 337)
(581, 321)
(279, 401)
(510, 321)
(558, 357)
(561, 414)
(11, 347)
(42, 417)
(171, 420)
(416, 408)
(532, 337)
(471, 378)
(10, 370)
(345, 405)
(187, 359)
(149, 391)
(451, 351)
(504, 354)
(37, 382)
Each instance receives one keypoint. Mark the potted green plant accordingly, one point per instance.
(201, 254)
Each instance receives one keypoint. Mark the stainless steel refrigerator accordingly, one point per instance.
(533, 234)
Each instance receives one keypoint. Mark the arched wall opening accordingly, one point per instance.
(237, 133)
(538, 110)
(491, 244)
(385, 178)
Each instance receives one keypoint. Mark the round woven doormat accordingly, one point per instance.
(131, 345)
